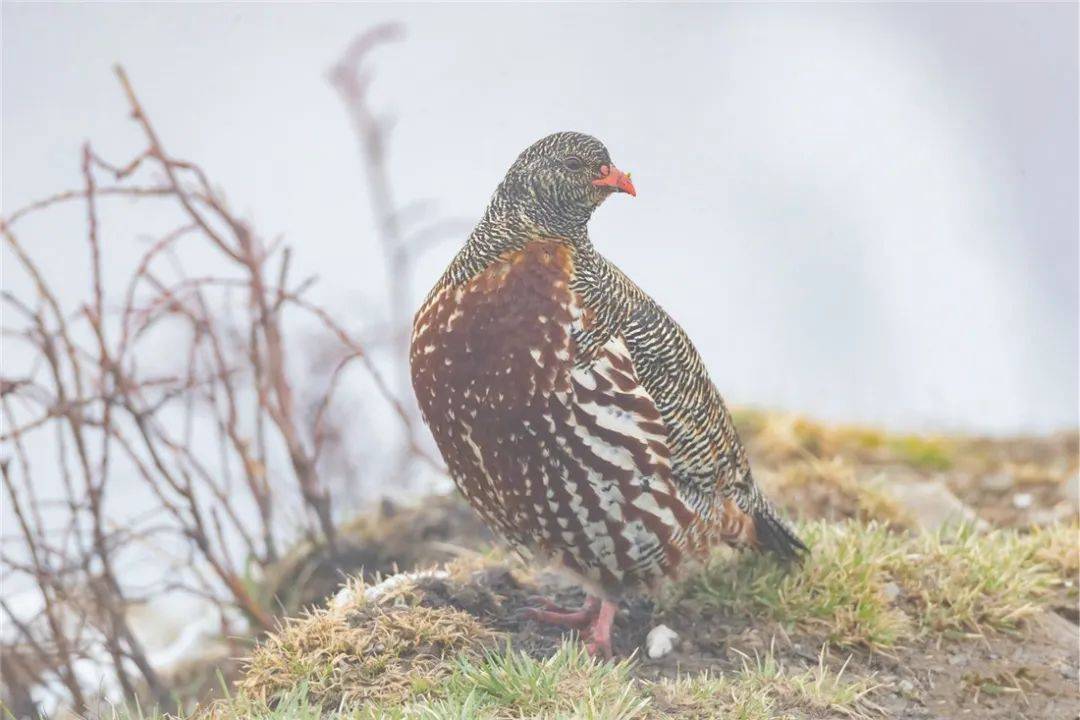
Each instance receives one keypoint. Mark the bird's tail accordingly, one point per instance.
(773, 533)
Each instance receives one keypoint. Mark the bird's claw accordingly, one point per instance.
(540, 602)
(592, 620)
(548, 612)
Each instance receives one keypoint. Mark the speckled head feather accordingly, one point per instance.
(553, 183)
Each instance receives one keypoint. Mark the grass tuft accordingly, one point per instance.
(839, 591)
(867, 586)
(355, 651)
(1058, 547)
(965, 581)
(568, 683)
(764, 689)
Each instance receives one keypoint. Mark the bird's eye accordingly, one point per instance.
(573, 163)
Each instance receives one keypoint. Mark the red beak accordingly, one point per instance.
(611, 176)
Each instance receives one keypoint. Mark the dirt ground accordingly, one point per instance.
(998, 677)
(1005, 483)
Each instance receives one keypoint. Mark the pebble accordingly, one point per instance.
(998, 482)
(1072, 489)
(891, 591)
(660, 641)
(1043, 517)
(1022, 501)
(931, 503)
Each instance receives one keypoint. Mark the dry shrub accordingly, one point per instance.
(189, 423)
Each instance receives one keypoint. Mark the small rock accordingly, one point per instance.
(1072, 490)
(906, 687)
(1043, 517)
(891, 591)
(931, 503)
(998, 482)
(1022, 501)
(660, 641)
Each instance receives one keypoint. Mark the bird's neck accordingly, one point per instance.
(504, 229)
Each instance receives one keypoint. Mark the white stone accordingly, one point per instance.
(1022, 501)
(660, 641)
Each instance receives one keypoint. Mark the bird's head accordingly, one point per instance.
(559, 180)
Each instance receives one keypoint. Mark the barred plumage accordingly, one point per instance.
(573, 413)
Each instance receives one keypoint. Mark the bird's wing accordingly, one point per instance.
(618, 440)
(706, 455)
(708, 462)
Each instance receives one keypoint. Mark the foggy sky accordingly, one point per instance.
(861, 212)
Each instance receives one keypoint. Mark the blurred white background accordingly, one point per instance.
(861, 212)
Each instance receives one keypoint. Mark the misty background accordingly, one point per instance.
(861, 213)
(864, 213)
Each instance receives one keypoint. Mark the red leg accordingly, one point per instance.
(594, 620)
(598, 633)
(553, 614)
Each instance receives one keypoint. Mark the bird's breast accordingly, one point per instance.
(489, 354)
(500, 334)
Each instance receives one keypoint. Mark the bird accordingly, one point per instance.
(573, 413)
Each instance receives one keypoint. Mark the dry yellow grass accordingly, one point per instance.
(356, 651)
(780, 437)
(830, 489)
(1058, 547)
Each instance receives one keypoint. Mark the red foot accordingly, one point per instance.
(552, 614)
(593, 620)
